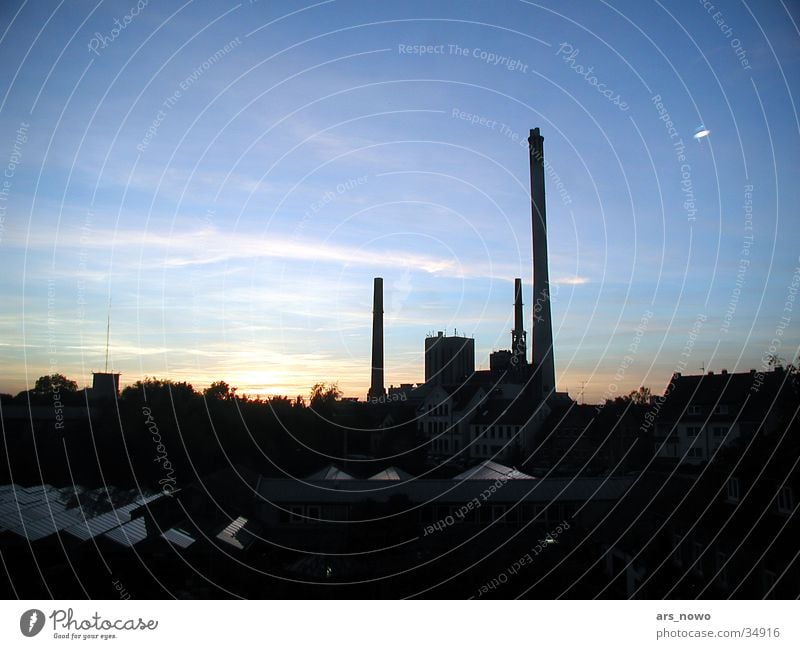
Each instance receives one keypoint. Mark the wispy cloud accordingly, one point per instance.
(571, 280)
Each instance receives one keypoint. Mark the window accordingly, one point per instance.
(498, 512)
(770, 579)
(694, 410)
(695, 452)
(720, 431)
(692, 431)
(313, 514)
(785, 500)
(677, 557)
(296, 514)
(721, 409)
(732, 490)
(697, 556)
(722, 568)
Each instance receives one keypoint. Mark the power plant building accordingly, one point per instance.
(449, 360)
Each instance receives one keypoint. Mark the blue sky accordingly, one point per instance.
(232, 177)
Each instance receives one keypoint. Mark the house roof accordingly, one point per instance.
(489, 470)
(504, 411)
(749, 395)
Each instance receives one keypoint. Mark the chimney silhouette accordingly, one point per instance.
(542, 354)
(519, 345)
(376, 389)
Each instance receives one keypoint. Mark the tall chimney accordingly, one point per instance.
(519, 346)
(542, 355)
(376, 389)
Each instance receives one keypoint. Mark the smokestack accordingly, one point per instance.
(376, 389)
(519, 346)
(542, 354)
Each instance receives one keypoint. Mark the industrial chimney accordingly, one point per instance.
(376, 389)
(519, 345)
(542, 354)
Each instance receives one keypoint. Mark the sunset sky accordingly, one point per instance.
(232, 176)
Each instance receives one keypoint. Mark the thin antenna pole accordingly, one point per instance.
(108, 331)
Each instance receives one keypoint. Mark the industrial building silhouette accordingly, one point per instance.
(494, 413)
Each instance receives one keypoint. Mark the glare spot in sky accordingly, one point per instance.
(701, 132)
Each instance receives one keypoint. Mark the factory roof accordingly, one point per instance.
(330, 472)
(37, 512)
(489, 470)
(422, 491)
(392, 473)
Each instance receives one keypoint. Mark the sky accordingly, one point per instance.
(225, 179)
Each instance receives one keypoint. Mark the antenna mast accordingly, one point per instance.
(108, 331)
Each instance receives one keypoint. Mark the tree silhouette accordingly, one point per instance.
(53, 383)
(220, 390)
(641, 396)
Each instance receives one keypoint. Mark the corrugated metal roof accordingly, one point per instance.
(237, 534)
(28, 514)
(36, 512)
(128, 534)
(46, 525)
(178, 537)
(95, 525)
(91, 527)
(392, 473)
(330, 472)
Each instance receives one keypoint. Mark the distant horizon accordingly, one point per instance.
(200, 387)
